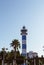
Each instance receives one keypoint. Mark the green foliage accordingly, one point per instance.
(20, 59)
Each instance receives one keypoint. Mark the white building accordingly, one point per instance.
(32, 54)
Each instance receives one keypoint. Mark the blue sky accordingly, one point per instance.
(14, 14)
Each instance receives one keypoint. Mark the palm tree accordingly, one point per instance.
(1, 53)
(4, 54)
(15, 44)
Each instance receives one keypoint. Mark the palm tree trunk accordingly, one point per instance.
(3, 58)
(15, 56)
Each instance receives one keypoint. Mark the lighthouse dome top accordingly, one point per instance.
(23, 27)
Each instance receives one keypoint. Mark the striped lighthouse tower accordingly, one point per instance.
(24, 33)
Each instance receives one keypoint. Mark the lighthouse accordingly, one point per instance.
(24, 33)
